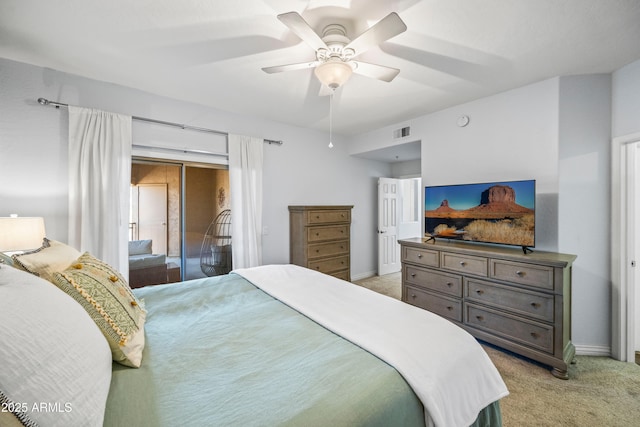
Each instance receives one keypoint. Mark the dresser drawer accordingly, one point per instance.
(344, 275)
(441, 282)
(449, 308)
(318, 234)
(464, 263)
(526, 274)
(317, 250)
(533, 334)
(328, 216)
(519, 301)
(421, 256)
(329, 265)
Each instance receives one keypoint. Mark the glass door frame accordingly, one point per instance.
(183, 165)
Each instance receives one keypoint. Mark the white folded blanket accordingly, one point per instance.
(446, 367)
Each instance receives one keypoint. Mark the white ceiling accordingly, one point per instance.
(211, 52)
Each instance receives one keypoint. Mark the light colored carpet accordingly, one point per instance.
(389, 284)
(600, 391)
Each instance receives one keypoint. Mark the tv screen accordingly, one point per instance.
(492, 212)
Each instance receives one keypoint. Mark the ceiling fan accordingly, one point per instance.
(335, 52)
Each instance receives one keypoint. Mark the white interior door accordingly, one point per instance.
(152, 215)
(388, 213)
(625, 232)
(411, 211)
(633, 195)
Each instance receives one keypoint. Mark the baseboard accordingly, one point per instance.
(592, 350)
(364, 275)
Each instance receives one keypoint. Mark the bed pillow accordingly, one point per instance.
(51, 354)
(106, 296)
(53, 256)
(6, 259)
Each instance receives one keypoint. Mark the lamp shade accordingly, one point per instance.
(21, 233)
(333, 73)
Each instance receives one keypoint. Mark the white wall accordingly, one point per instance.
(556, 132)
(626, 100)
(510, 136)
(584, 214)
(33, 158)
(406, 169)
(626, 121)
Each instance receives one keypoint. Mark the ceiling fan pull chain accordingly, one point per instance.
(330, 119)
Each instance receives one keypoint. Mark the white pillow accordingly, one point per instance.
(53, 256)
(55, 362)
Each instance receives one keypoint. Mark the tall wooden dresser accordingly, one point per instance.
(320, 239)
(498, 294)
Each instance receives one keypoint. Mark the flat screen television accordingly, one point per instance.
(491, 212)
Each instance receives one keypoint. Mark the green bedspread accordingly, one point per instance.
(226, 353)
(221, 352)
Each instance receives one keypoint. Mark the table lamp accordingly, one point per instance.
(18, 234)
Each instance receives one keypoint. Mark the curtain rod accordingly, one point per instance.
(46, 102)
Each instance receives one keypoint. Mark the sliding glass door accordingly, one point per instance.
(173, 205)
(206, 195)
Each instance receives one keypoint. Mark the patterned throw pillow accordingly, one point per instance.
(53, 256)
(108, 299)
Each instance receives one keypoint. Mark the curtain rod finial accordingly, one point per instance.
(43, 101)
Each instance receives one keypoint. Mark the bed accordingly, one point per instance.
(272, 345)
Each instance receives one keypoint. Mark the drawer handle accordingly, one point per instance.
(535, 334)
(463, 263)
(342, 231)
(520, 273)
(449, 284)
(342, 262)
(419, 256)
(317, 250)
(480, 318)
(449, 308)
(317, 234)
(479, 292)
(535, 305)
(413, 296)
(413, 274)
(317, 216)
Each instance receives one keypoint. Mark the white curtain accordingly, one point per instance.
(245, 181)
(99, 180)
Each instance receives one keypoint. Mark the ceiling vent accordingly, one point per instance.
(401, 133)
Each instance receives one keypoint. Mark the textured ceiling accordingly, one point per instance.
(212, 52)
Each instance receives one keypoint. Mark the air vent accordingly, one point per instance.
(401, 133)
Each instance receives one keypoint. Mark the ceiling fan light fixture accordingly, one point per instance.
(333, 73)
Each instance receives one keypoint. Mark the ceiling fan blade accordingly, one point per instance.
(290, 67)
(389, 26)
(299, 26)
(375, 71)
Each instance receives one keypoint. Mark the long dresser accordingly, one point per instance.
(320, 239)
(520, 302)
